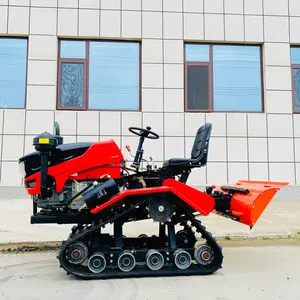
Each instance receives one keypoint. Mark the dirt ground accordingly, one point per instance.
(252, 269)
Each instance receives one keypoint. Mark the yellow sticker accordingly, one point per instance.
(44, 141)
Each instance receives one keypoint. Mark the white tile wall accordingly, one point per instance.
(258, 146)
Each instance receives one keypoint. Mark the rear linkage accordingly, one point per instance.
(88, 254)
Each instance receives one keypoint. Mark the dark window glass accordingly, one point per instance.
(72, 83)
(296, 82)
(13, 69)
(198, 87)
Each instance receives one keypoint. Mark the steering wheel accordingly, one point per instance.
(146, 133)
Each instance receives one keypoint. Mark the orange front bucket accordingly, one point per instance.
(249, 207)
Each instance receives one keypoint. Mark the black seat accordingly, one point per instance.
(199, 152)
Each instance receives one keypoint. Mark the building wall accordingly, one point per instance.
(262, 146)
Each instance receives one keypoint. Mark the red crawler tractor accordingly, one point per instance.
(91, 185)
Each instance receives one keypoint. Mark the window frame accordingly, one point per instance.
(24, 106)
(211, 83)
(86, 61)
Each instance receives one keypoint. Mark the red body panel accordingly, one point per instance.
(100, 159)
(248, 208)
(198, 200)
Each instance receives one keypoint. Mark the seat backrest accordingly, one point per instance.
(199, 152)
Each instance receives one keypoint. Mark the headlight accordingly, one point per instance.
(22, 169)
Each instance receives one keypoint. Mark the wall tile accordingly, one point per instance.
(19, 2)
(152, 51)
(130, 119)
(218, 121)
(153, 5)
(88, 22)
(42, 72)
(193, 121)
(152, 76)
(110, 23)
(277, 54)
(233, 7)
(116, 139)
(28, 144)
(154, 149)
(278, 78)
(14, 122)
(276, 29)
(3, 19)
(39, 121)
(294, 29)
(87, 138)
(173, 76)
(258, 171)
(276, 152)
(111, 4)
(276, 7)
(282, 172)
(45, 3)
(297, 149)
(110, 123)
(131, 24)
(18, 20)
(43, 21)
(215, 6)
(298, 173)
(173, 100)
(217, 149)
(43, 47)
(193, 6)
(3, 2)
(216, 173)
(214, 27)
(280, 125)
(152, 25)
(257, 125)
(88, 123)
(193, 26)
(258, 149)
(173, 51)
(172, 26)
(1, 121)
(197, 177)
(172, 5)
(234, 28)
(70, 27)
(174, 147)
(93, 4)
(237, 149)
(41, 97)
(173, 124)
(237, 171)
(155, 121)
(12, 176)
(131, 4)
(254, 29)
(278, 102)
(236, 125)
(68, 3)
(67, 121)
(253, 7)
(296, 125)
(294, 6)
(12, 147)
(152, 100)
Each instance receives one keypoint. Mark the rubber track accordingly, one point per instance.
(141, 271)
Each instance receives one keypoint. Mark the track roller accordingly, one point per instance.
(77, 253)
(203, 254)
(182, 259)
(126, 261)
(154, 260)
(97, 263)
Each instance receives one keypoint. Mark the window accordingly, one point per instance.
(223, 78)
(295, 61)
(13, 72)
(99, 75)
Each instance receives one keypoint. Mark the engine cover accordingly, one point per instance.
(161, 209)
